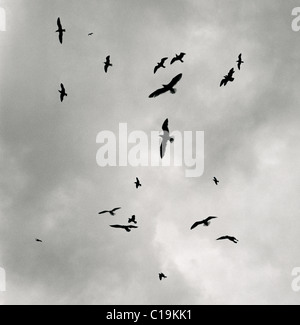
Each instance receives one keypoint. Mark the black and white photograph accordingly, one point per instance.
(149, 154)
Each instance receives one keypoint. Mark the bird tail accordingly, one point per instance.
(173, 91)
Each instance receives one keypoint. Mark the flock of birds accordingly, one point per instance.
(166, 138)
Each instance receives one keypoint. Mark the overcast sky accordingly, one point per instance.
(52, 188)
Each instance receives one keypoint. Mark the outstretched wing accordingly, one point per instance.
(116, 209)
(63, 88)
(196, 224)
(117, 226)
(174, 60)
(223, 238)
(240, 57)
(158, 92)
(165, 126)
(59, 23)
(108, 59)
(106, 67)
(163, 148)
(156, 68)
(103, 212)
(175, 81)
(61, 35)
(231, 73)
(163, 60)
(211, 218)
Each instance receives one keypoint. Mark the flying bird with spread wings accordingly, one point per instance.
(127, 228)
(90, 34)
(178, 58)
(161, 64)
(205, 222)
(216, 181)
(137, 183)
(62, 92)
(240, 62)
(38, 240)
(167, 88)
(228, 78)
(107, 64)
(60, 31)
(165, 138)
(162, 276)
(233, 239)
(112, 212)
(132, 220)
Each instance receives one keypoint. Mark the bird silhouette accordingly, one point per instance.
(228, 78)
(112, 212)
(107, 64)
(216, 181)
(90, 34)
(132, 220)
(178, 58)
(205, 222)
(162, 276)
(233, 239)
(137, 183)
(167, 88)
(161, 64)
(127, 228)
(165, 138)
(60, 31)
(38, 240)
(240, 61)
(62, 92)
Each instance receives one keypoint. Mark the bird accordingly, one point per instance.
(233, 239)
(165, 138)
(60, 31)
(90, 34)
(161, 64)
(205, 222)
(112, 212)
(107, 64)
(162, 276)
(137, 183)
(166, 88)
(127, 228)
(62, 92)
(228, 78)
(38, 240)
(132, 220)
(240, 61)
(178, 58)
(216, 181)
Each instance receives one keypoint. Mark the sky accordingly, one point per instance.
(52, 188)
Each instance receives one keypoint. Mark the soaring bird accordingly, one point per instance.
(165, 138)
(132, 220)
(38, 240)
(161, 64)
(107, 64)
(137, 183)
(90, 34)
(127, 228)
(216, 181)
(228, 78)
(162, 276)
(112, 212)
(62, 92)
(240, 61)
(178, 58)
(205, 222)
(166, 88)
(233, 239)
(60, 31)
